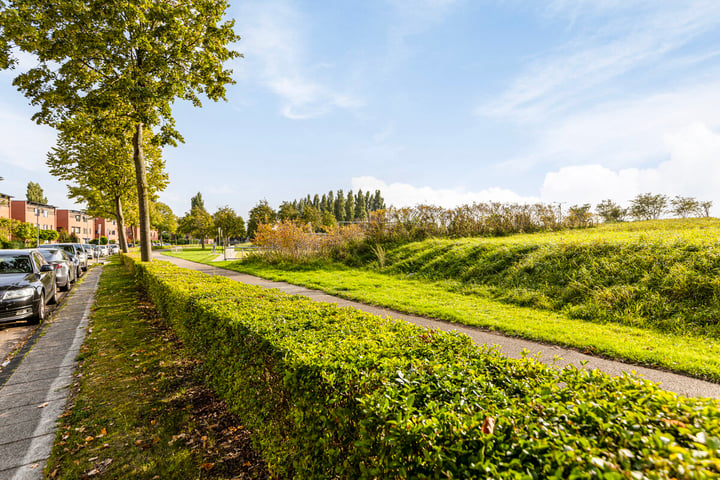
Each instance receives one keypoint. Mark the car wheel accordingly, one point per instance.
(56, 296)
(40, 314)
(66, 287)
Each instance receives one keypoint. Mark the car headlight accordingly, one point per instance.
(19, 293)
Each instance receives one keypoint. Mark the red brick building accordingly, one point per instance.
(106, 227)
(35, 213)
(5, 205)
(77, 222)
(132, 234)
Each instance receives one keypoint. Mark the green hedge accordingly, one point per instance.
(333, 392)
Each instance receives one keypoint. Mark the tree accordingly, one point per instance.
(35, 193)
(262, 213)
(684, 207)
(6, 60)
(162, 217)
(312, 216)
(101, 172)
(360, 211)
(350, 207)
(579, 215)
(339, 208)
(232, 224)
(197, 201)
(705, 208)
(24, 231)
(122, 60)
(610, 211)
(647, 206)
(288, 212)
(49, 235)
(197, 223)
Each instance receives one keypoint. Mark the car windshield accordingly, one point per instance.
(51, 255)
(68, 248)
(15, 264)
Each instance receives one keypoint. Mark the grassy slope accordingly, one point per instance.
(662, 275)
(696, 355)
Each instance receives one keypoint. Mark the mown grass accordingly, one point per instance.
(694, 355)
(139, 409)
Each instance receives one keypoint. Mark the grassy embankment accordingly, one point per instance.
(139, 409)
(647, 292)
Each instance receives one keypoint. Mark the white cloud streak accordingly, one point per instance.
(406, 195)
(565, 78)
(274, 45)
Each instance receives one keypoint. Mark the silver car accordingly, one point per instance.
(65, 272)
(73, 249)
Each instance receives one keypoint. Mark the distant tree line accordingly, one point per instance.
(648, 206)
(322, 213)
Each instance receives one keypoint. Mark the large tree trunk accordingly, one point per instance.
(142, 188)
(120, 224)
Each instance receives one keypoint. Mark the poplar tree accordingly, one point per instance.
(121, 61)
(350, 207)
(340, 206)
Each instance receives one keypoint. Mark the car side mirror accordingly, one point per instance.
(46, 268)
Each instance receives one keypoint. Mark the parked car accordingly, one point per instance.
(27, 285)
(73, 249)
(114, 249)
(104, 251)
(89, 250)
(65, 272)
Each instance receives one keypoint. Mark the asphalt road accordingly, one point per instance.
(511, 346)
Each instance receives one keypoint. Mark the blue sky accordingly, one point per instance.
(441, 101)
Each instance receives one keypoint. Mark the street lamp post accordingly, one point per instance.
(37, 227)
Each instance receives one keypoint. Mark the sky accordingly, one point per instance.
(440, 102)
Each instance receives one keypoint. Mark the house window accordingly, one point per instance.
(45, 213)
(85, 219)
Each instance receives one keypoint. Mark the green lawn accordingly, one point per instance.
(698, 356)
(139, 409)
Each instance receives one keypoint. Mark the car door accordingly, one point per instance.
(46, 278)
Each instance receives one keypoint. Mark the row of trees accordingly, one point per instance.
(342, 207)
(198, 223)
(649, 206)
(23, 232)
(105, 76)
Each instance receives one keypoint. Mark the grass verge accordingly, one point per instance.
(697, 356)
(139, 408)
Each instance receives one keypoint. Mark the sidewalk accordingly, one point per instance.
(35, 395)
(511, 346)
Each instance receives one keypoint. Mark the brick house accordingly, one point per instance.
(106, 227)
(5, 205)
(132, 234)
(35, 213)
(77, 222)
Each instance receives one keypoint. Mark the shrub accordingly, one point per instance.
(333, 392)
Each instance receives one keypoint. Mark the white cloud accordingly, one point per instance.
(571, 75)
(624, 133)
(406, 195)
(274, 45)
(693, 169)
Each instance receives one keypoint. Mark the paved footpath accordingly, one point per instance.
(34, 396)
(510, 346)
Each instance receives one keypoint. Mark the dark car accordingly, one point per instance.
(73, 249)
(27, 285)
(65, 271)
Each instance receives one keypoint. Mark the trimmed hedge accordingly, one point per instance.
(337, 393)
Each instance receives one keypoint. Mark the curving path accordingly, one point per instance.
(510, 346)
